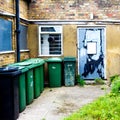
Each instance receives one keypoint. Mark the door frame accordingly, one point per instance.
(78, 47)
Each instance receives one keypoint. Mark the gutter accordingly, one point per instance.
(81, 22)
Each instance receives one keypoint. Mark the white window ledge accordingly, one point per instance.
(7, 52)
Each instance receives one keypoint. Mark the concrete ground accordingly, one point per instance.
(57, 103)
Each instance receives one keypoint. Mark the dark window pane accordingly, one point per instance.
(23, 37)
(5, 35)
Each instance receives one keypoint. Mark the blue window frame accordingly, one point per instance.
(5, 35)
(23, 37)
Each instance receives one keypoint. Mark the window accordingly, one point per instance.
(23, 37)
(5, 35)
(50, 40)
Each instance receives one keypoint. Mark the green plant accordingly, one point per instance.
(114, 78)
(104, 108)
(99, 81)
(115, 84)
(80, 81)
(43, 119)
(115, 87)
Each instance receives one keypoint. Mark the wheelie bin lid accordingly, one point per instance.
(69, 58)
(21, 68)
(55, 59)
(26, 64)
(9, 71)
(36, 61)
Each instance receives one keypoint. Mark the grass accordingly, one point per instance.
(104, 108)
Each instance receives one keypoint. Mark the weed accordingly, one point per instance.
(43, 119)
(115, 87)
(80, 81)
(115, 84)
(114, 77)
(104, 108)
(99, 81)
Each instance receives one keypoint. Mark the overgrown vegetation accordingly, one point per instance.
(99, 81)
(114, 78)
(104, 108)
(115, 86)
(80, 81)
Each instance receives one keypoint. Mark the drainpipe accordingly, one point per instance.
(17, 31)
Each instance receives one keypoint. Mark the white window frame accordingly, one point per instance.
(41, 32)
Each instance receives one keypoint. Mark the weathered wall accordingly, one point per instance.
(7, 6)
(67, 10)
(6, 59)
(112, 57)
(33, 40)
(74, 9)
(24, 55)
(24, 9)
(113, 49)
(7, 10)
(69, 40)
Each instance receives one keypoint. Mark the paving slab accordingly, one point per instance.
(57, 103)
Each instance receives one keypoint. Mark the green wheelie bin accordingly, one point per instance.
(41, 78)
(22, 88)
(38, 71)
(29, 81)
(54, 71)
(69, 70)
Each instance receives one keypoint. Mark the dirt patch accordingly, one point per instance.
(73, 98)
(66, 108)
(57, 103)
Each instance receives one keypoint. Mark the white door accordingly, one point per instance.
(91, 52)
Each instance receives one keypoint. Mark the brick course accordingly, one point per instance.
(7, 6)
(74, 9)
(7, 59)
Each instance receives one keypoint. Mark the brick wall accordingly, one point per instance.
(6, 59)
(24, 55)
(7, 6)
(74, 9)
(23, 9)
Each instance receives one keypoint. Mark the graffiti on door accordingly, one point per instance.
(91, 52)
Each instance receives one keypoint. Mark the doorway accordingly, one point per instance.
(91, 52)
